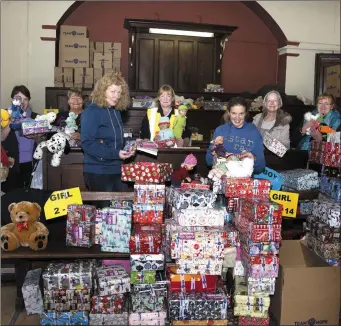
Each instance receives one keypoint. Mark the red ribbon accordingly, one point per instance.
(22, 225)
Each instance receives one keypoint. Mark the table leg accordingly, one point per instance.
(22, 266)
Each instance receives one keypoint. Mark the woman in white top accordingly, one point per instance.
(273, 119)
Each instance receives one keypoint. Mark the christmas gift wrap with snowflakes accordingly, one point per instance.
(325, 250)
(31, 292)
(76, 275)
(146, 239)
(253, 321)
(106, 319)
(148, 318)
(300, 179)
(149, 194)
(67, 300)
(146, 172)
(81, 226)
(111, 279)
(331, 187)
(203, 217)
(254, 286)
(246, 187)
(305, 207)
(64, 318)
(141, 262)
(30, 127)
(322, 231)
(142, 303)
(199, 266)
(108, 304)
(190, 198)
(328, 212)
(274, 145)
(148, 213)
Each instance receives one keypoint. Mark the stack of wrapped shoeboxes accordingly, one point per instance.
(149, 287)
(197, 240)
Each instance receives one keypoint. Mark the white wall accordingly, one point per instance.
(25, 59)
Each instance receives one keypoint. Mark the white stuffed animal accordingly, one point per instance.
(240, 169)
(308, 116)
(56, 145)
(50, 117)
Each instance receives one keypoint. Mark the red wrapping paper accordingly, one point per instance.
(146, 239)
(259, 259)
(246, 187)
(194, 185)
(148, 216)
(253, 321)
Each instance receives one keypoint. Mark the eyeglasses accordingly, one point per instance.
(272, 101)
(325, 104)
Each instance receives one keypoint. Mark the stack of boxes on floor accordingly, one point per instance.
(82, 61)
(197, 240)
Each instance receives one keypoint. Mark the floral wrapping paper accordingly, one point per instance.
(253, 321)
(143, 277)
(76, 275)
(81, 226)
(112, 279)
(300, 179)
(149, 194)
(252, 300)
(254, 286)
(261, 211)
(190, 198)
(322, 231)
(148, 318)
(67, 300)
(146, 239)
(200, 322)
(199, 266)
(203, 217)
(258, 248)
(116, 226)
(331, 187)
(252, 311)
(325, 250)
(30, 127)
(64, 318)
(328, 212)
(246, 187)
(31, 292)
(140, 263)
(141, 302)
(198, 306)
(274, 145)
(148, 213)
(305, 207)
(106, 319)
(98, 228)
(108, 304)
(146, 172)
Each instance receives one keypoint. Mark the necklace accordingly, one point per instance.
(112, 124)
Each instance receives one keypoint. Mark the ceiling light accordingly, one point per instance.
(180, 32)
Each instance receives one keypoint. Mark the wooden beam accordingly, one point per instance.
(48, 39)
(49, 27)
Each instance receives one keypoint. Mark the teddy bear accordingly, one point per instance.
(25, 230)
(49, 117)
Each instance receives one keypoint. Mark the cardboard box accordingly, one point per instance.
(74, 52)
(96, 47)
(117, 50)
(114, 48)
(100, 72)
(116, 64)
(102, 60)
(63, 77)
(84, 76)
(73, 31)
(307, 289)
(333, 80)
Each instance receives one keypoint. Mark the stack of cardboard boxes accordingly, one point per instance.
(81, 61)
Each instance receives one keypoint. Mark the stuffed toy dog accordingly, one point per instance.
(308, 116)
(50, 117)
(25, 230)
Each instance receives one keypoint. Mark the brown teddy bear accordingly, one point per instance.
(25, 230)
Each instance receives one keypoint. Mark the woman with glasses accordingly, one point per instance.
(273, 119)
(328, 117)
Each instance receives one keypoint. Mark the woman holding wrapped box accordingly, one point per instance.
(102, 134)
(239, 137)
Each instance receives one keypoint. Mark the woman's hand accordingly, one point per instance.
(125, 155)
(76, 136)
(247, 154)
(314, 132)
(305, 127)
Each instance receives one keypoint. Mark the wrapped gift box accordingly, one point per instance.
(322, 231)
(140, 263)
(76, 275)
(106, 319)
(116, 226)
(332, 261)
(31, 292)
(190, 282)
(143, 277)
(317, 145)
(328, 212)
(274, 145)
(305, 207)
(331, 187)
(149, 194)
(325, 250)
(199, 266)
(108, 304)
(252, 300)
(195, 185)
(258, 248)
(316, 157)
(246, 187)
(200, 322)
(30, 127)
(203, 217)
(254, 286)
(148, 318)
(146, 239)
(146, 172)
(144, 302)
(253, 321)
(300, 179)
(148, 213)
(67, 300)
(98, 228)
(159, 288)
(64, 318)
(81, 226)
(252, 311)
(190, 198)
(261, 211)
(198, 306)
(112, 279)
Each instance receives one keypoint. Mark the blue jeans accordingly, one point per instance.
(104, 182)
